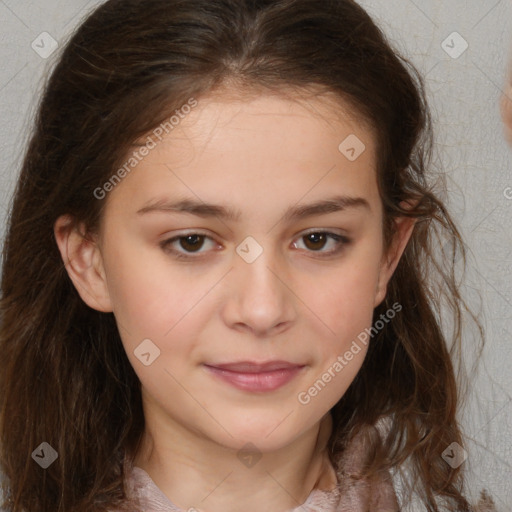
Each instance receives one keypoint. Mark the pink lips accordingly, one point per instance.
(249, 376)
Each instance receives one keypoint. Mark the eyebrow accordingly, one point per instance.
(201, 209)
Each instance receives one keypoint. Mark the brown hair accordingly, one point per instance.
(64, 375)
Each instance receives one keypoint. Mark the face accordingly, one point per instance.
(246, 234)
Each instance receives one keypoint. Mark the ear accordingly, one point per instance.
(404, 228)
(84, 263)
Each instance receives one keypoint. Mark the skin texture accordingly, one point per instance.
(260, 156)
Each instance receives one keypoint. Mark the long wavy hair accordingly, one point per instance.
(64, 376)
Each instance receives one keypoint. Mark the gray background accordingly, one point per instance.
(464, 95)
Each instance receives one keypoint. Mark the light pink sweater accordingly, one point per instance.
(154, 500)
(344, 495)
(334, 492)
(355, 498)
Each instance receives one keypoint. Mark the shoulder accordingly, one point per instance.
(379, 493)
(360, 494)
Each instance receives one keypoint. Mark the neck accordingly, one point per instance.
(196, 473)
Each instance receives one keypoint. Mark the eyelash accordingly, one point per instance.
(340, 240)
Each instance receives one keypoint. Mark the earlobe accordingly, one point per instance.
(404, 230)
(84, 264)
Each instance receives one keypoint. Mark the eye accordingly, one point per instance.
(184, 246)
(315, 241)
(190, 243)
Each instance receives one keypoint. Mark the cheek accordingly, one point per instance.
(347, 309)
(152, 298)
(344, 299)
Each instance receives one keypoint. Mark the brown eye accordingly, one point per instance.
(192, 243)
(187, 244)
(315, 241)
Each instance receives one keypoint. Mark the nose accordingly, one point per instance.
(259, 298)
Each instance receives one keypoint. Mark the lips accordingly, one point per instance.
(254, 367)
(255, 377)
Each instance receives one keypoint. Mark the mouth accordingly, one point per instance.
(256, 377)
(255, 367)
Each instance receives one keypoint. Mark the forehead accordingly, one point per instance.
(247, 145)
(306, 109)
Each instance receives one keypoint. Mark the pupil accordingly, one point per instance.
(191, 240)
(316, 238)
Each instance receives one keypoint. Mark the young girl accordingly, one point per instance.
(221, 289)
